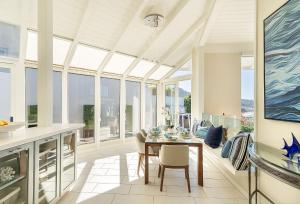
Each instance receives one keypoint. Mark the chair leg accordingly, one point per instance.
(159, 170)
(162, 178)
(187, 177)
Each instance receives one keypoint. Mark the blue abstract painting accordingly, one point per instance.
(282, 63)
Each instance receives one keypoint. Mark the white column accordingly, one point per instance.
(143, 105)
(64, 97)
(45, 62)
(97, 108)
(197, 83)
(176, 104)
(122, 108)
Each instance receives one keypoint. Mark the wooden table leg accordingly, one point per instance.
(146, 164)
(200, 165)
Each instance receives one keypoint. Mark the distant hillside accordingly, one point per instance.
(247, 105)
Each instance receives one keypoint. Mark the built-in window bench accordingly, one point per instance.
(38, 165)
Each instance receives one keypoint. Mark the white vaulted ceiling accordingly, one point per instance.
(116, 26)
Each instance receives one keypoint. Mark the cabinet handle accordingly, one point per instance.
(16, 150)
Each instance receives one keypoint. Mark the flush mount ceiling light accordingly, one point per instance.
(154, 20)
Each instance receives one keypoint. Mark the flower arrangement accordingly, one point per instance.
(7, 173)
(155, 132)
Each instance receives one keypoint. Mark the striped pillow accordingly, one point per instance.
(238, 153)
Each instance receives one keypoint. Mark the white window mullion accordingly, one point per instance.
(122, 108)
(97, 108)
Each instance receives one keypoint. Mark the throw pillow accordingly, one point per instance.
(206, 123)
(201, 132)
(238, 153)
(226, 148)
(214, 136)
(195, 127)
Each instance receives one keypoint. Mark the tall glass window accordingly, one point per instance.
(169, 112)
(133, 108)
(184, 102)
(110, 109)
(9, 40)
(5, 94)
(247, 93)
(31, 96)
(150, 106)
(57, 96)
(81, 100)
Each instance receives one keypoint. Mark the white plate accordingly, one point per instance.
(11, 126)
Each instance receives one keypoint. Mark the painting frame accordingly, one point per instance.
(264, 80)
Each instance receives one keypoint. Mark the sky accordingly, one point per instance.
(247, 84)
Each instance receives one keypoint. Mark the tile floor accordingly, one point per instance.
(107, 174)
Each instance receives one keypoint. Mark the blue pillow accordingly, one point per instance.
(201, 132)
(226, 148)
(214, 136)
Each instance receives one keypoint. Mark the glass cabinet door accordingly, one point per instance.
(16, 168)
(68, 149)
(46, 166)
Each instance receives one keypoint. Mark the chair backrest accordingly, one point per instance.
(144, 133)
(140, 140)
(174, 155)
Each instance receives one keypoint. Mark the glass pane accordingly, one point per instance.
(57, 96)
(31, 96)
(142, 68)
(81, 100)
(150, 106)
(87, 57)
(133, 108)
(9, 40)
(60, 50)
(32, 46)
(247, 93)
(47, 166)
(169, 112)
(14, 186)
(118, 63)
(68, 160)
(160, 72)
(110, 109)
(5, 94)
(184, 93)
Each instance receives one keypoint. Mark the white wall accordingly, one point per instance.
(222, 86)
(269, 131)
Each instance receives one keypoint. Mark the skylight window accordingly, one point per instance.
(118, 63)
(60, 50)
(87, 57)
(32, 46)
(160, 72)
(142, 68)
(185, 70)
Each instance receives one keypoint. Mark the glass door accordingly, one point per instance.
(16, 175)
(46, 166)
(68, 149)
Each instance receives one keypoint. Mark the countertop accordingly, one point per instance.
(27, 135)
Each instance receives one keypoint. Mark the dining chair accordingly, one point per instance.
(140, 140)
(174, 157)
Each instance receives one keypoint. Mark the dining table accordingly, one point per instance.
(161, 140)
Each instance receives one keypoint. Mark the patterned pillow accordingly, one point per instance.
(201, 132)
(226, 148)
(195, 127)
(238, 153)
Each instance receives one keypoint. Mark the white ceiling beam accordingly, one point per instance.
(192, 29)
(148, 44)
(141, 6)
(84, 20)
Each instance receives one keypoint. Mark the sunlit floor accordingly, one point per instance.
(107, 174)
